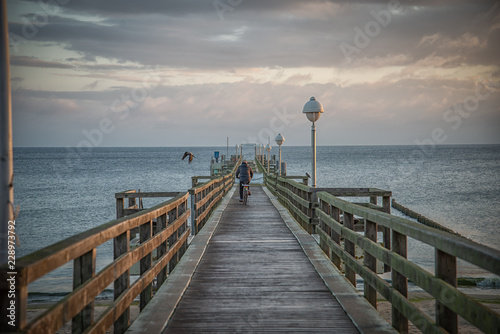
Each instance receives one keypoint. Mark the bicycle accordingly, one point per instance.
(246, 190)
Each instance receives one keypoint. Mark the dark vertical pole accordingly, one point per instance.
(83, 270)
(147, 293)
(335, 214)
(399, 282)
(161, 224)
(349, 247)
(446, 269)
(386, 203)
(121, 246)
(119, 208)
(7, 187)
(6, 184)
(370, 261)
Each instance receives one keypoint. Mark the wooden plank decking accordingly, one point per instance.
(255, 277)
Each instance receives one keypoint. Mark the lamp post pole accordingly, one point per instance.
(313, 144)
(268, 148)
(279, 140)
(313, 110)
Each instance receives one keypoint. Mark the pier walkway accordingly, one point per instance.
(289, 261)
(254, 276)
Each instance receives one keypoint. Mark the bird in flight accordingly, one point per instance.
(188, 154)
(307, 174)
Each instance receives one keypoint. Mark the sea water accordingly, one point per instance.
(64, 191)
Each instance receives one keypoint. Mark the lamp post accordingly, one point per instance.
(279, 140)
(237, 146)
(241, 150)
(268, 149)
(262, 154)
(313, 110)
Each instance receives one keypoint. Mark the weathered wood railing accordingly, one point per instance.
(206, 196)
(321, 211)
(168, 238)
(442, 286)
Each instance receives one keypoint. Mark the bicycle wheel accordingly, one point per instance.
(245, 195)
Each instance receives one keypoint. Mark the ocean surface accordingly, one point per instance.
(62, 192)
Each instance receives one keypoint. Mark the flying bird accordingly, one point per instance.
(188, 154)
(307, 174)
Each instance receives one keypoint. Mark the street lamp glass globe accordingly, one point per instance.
(313, 109)
(279, 139)
(268, 148)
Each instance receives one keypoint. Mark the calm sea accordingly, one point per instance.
(62, 192)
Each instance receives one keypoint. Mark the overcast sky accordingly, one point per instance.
(191, 73)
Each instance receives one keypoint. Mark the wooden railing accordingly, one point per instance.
(206, 196)
(168, 239)
(442, 286)
(321, 211)
(296, 197)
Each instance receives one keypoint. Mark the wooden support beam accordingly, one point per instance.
(161, 224)
(121, 246)
(446, 269)
(386, 204)
(399, 281)
(335, 214)
(370, 262)
(119, 208)
(349, 248)
(83, 270)
(146, 294)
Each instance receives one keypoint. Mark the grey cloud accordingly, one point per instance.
(274, 35)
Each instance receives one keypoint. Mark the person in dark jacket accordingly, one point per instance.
(245, 174)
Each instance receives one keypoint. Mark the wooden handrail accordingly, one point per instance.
(81, 248)
(206, 196)
(441, 286)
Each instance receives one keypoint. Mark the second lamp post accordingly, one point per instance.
(313, 110)
(279, 140)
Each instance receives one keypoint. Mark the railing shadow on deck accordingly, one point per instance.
(163, 229)
(321, 211)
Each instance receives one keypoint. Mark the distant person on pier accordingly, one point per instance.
(245, 174)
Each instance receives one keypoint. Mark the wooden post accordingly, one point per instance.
(193, 213)
(325, 207)
(335, 214)
(121, 246)
(147, 293)
(399, 282)
(446, 269)
(311, 197)
(370, 261)
(119, 208)
(349, 247)
(386, 203)
(83, 270)
(161, 224)
(373, 200)
(172, 217)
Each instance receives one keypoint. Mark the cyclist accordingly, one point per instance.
(245, 174)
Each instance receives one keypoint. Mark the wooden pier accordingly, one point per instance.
(286, 262)
(254, 277)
